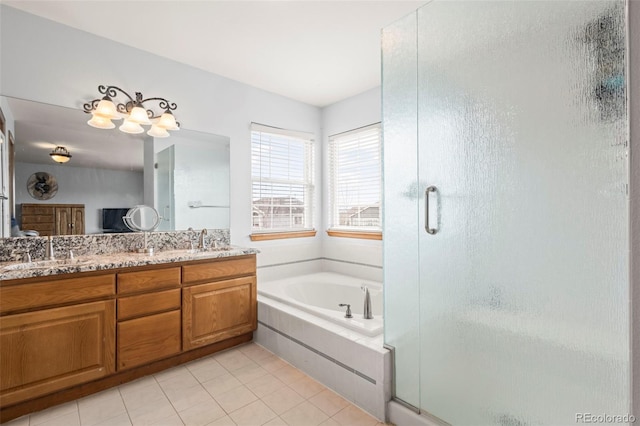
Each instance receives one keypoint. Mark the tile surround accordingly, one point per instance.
(179, 396)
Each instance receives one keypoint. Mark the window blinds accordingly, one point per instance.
(356, 179)
(282, 179)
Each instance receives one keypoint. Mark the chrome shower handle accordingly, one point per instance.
(426, 210)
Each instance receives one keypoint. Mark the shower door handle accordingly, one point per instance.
(426, 210)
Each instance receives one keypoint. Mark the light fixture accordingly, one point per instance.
(134, 111)
(60, 154)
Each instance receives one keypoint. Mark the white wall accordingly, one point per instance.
(349, 255)
(47, 62)
(95, 188)
(5, 214)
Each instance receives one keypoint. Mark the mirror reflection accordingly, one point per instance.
(102, 173)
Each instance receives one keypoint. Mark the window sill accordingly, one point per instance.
(355, 234)
(282, 235)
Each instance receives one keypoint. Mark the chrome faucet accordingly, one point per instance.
(202, 243)
(48, 250)
(366, 313)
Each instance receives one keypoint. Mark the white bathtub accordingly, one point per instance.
(321, 293)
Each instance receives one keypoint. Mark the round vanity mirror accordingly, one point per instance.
(142, 218)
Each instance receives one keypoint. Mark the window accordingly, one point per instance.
(282, 180)
(355, 191)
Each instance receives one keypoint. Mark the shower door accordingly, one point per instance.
(506, 252)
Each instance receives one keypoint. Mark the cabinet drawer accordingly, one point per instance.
(36, 210)
(145, 304)
(147, 339)
(134, 282)
(218, 269)
(56, 292)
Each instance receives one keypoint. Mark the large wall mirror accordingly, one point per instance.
(185, 176)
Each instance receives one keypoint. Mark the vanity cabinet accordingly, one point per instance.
(67, 336)
(149, 326)
(218, 301)
(51, 348)
(53, 219)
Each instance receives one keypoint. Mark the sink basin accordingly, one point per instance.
(41, 264)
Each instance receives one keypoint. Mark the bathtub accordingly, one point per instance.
(321, 293)
(300, 321)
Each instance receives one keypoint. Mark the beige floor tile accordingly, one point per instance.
(265, 385)
(272, 363)
(249, 373)
(152, 413)
(224, 421)
(182, 399)
(305, 414)
(255, 351)
(289, 374)
(255, 414)
(221, 384)
(136, 398)
(276, 422)
(353, 416)
(136, 385)
(233, 360)
(235, 398)
(283, 399)
(101, 407)
(53, 412)
(70, 419)
(20, 421)
(307, 387)
(171, 420)
(183, 380)
(329, 402)
(202, 414)
(120, 420)
(208, 371)
(330, 422)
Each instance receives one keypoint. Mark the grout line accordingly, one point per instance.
(322, 354)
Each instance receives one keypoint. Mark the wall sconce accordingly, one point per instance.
(60, 154)
(133, 111)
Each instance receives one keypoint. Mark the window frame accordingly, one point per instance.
(306, 142)
(362, 232)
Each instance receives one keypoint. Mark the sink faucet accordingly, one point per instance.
(48, 250)
(366, 313)
(202, 243)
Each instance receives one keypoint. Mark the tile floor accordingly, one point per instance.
(246, 385)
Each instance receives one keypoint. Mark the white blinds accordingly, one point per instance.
(356, 179)
(282, 179)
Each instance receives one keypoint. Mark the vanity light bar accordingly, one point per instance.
(134, 112)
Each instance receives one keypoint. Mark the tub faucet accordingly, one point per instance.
(366, 313)
(202, 243)
(348, 313)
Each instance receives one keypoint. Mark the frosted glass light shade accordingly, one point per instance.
(139, 115)
(158, 132)
(107, 109)
(129, 126)
(100, 122)
(167, 121)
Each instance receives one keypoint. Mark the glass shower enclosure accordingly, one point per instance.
(506, 227)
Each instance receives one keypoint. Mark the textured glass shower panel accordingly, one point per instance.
(400, 150)
(524, 289)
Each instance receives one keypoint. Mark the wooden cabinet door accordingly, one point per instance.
(147, 339)
(217, 311)
(44, 351)
(63, 221)
(77, 220)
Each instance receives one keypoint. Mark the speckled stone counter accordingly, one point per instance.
(101, 262)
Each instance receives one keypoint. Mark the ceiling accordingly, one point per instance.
(316, 52)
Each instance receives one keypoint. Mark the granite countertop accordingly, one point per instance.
(88, 263)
